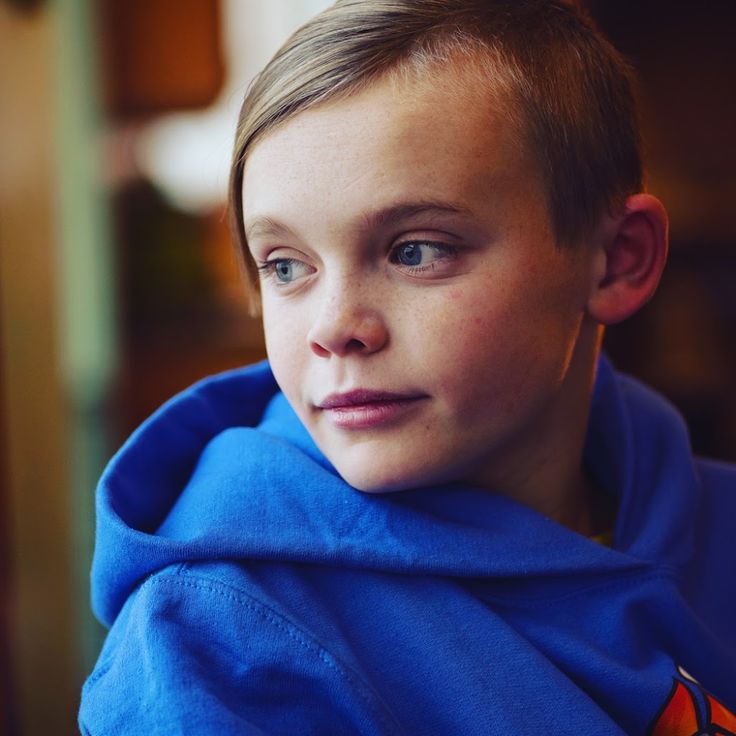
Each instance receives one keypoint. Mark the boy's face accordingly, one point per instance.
(418, 315)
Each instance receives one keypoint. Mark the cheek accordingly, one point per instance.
(474, 350)
(284, 338)
(501, 350)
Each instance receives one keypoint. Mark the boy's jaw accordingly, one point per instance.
(475, 368)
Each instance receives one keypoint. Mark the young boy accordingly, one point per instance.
(438, 510)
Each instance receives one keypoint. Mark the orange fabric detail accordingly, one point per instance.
(680, 715)
(721, 716)
(679, 718)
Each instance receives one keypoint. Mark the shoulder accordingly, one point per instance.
(716, 517)
(717, 494)
(717, 475)
(712, 585)
(209, 647)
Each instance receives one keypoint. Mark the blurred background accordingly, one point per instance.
(118, 286)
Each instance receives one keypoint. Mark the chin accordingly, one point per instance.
(376, 480)
(375, 486)
(369, 481)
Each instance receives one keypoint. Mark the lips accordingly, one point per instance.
(361, 397)
(366, 409)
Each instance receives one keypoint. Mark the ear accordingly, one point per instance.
(631, 256)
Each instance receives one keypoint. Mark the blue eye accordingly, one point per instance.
(409, 254)
(419, 256)
(285, 270)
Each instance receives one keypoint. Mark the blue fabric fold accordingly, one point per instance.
(227, 540)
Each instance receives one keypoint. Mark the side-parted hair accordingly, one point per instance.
(565, 88)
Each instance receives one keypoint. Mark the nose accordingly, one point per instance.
(348, 322)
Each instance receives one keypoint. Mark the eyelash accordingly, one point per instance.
(267, 269)
(444, 251)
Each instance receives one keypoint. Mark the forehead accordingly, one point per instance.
(425, 135)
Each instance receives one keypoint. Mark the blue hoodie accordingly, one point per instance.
(250, 590)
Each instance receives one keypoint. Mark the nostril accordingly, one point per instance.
(355, 344)
(319, 350)
(347, 333)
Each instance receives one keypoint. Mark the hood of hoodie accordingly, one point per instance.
(226, 470)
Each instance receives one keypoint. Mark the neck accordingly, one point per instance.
(588, 510)
(550, 477)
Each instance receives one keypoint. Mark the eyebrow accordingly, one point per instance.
(407, 210)
(263, 226)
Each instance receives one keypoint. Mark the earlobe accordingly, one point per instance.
(632, 254)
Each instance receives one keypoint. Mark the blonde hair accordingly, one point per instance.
(566, 89)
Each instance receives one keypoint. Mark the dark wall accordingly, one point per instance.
(683, 341)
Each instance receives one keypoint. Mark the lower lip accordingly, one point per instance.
(373, 414)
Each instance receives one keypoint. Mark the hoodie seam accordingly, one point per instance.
(281, 623)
